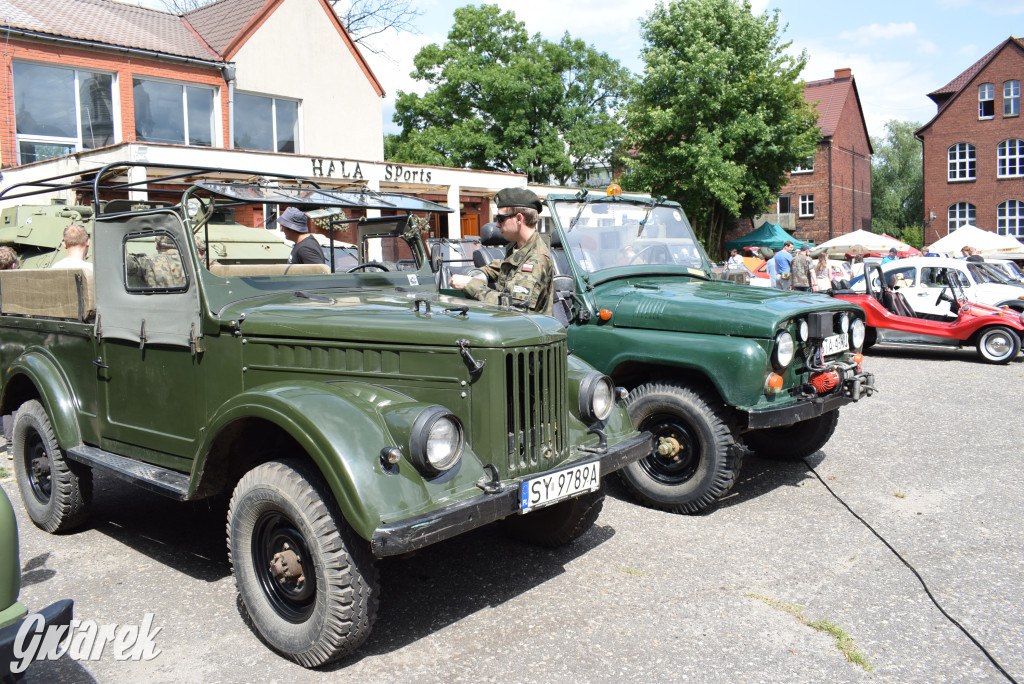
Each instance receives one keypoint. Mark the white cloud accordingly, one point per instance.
(872, 33)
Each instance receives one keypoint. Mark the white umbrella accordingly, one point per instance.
(860, 241)
(985, 241)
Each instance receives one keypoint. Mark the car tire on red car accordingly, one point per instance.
(998, 344)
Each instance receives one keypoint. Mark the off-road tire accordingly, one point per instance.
(56, 491)
(793, 442)
(702, 426)
(998, 344)
(559, 524)
(288, 501)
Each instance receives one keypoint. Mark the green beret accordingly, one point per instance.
(517, 197)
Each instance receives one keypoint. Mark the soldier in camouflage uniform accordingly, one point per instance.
(523, 277)
(163, 269)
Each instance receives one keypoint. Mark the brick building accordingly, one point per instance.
(973, 148)
(830, 195)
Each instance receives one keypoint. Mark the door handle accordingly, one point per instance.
(99, 363)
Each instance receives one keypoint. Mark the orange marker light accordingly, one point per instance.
(773, 383)
(614, 189)
(857, 358)
(604, 315)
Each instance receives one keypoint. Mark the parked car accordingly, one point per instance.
(995, 332)
(711, 366)
(12, 612)
(350, 416)
(1009, 268)
(921, 279)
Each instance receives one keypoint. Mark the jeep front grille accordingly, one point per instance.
(536, 380)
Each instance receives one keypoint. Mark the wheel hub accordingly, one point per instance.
(669, 447)
(998, 345)
(676, 456)
(286, 567)
(279, 557)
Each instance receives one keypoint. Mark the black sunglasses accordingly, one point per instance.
(501, 218)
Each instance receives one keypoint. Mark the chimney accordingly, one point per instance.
(844, 73)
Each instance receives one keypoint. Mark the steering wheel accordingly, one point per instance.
(663, 251)
(369, 264)
(943, 296)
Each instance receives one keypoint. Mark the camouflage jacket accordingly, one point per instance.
(802, 270)
(524, 275)
(156, 270)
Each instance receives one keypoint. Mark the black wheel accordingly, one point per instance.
(998, 344)
(696, 459)
(559, 524)
(56, 491)
(308, 584)
(793, 442)
(369, 264)
(870, 337)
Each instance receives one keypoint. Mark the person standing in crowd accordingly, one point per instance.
(523, 277)
(295, 226)
(822, 276)
(735, 260)
(893, 255)
(783, 263)
(8, 259)
(802, 270)
(972, 255)
(857, 268)
(76, 241)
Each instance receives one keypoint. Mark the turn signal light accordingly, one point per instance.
(604, 314)
(857, 358)
(614, 189)
(773, 383)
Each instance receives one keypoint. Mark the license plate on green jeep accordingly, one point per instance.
(834, 345)
(554, 487)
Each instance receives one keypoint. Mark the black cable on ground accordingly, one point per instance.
(920, 579)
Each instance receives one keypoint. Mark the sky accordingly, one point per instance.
(899, 50)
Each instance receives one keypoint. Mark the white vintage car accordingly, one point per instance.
(922, 280)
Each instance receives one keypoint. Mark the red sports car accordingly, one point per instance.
(996, 333)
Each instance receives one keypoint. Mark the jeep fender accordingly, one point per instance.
(736, 366)
(343, 427)
(53, 391)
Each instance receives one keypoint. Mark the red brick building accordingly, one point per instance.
(830, 195)
(973, 148)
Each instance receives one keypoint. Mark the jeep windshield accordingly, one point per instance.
(606, 239)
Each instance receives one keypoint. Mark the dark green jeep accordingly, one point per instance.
(350, 415)
(711, 366)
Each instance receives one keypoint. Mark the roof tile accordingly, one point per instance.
(219, 22)
(831, 95)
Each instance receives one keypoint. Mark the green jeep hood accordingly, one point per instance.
(700, 306)
(380, 316)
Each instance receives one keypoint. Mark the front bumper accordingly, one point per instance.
(853, 387)
(59, 613)
(423, 530)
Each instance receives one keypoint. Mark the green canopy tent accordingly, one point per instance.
(769, 235)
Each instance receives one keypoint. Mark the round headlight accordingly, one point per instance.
(844, 322)
(802, 330)
(857, 331)
(436, 440)
(597, 397)
(784, 349)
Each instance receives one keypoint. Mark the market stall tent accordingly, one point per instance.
(769, 235)
(986, 242)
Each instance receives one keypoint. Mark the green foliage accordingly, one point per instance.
(718, 118)
(502, 100)
(897, 183)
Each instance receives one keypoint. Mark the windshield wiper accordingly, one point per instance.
(655, 201)
(581, 196)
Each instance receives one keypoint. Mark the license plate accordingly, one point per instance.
(834, 345)
(554, 487)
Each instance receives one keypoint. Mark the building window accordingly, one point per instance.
(173, 113)
(1011, 218)
(1011, 158)
(58, 111)
(807, 166)
(961, 162)
(266, 123)
(806, 206)
(1011, 98)
(986, 101)
(785, 206)
(960, 214)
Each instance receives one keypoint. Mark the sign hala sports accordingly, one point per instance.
(339, 168)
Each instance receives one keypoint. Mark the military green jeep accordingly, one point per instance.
(350, 415)
(711, 366)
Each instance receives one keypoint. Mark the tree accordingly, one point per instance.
(502, 100)
(718, 117)
(897, 183)
(362, 18)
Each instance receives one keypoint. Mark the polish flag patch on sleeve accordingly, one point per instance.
(527, 268)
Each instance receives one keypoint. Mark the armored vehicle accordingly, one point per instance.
(350, 415)
(711, 366)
